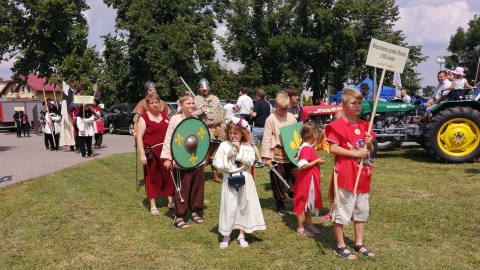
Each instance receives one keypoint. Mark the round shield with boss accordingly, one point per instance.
(190, 143)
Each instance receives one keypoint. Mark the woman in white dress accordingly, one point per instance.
(239, 207)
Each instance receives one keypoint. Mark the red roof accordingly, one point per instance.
(34, 82)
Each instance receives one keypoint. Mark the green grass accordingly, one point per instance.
(424, 215)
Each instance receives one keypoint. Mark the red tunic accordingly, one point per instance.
(303, 181)
(158, 181)
(347, 135)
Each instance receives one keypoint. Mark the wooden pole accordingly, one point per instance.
(476, 75)
(374, 111)
(335, 188)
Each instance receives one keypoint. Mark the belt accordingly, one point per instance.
(213, 126)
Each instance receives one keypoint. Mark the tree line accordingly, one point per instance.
(309, 44)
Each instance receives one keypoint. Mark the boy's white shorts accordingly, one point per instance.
(353, 207)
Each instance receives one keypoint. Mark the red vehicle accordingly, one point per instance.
(321, 114)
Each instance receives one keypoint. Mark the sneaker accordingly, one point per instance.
(259, 164)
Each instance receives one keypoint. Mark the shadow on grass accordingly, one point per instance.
(417, 154)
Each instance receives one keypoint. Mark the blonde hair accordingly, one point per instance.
(282, 99)
(338, 115)
(245, 134)
(307, 130)
(183, 97)
(351, 93)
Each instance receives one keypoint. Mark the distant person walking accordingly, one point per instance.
(245, 105)
(261, 110)
(18, 124)
(25, 124)
(229, 109)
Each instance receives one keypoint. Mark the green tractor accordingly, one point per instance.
(452, 135)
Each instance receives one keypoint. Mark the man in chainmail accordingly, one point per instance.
(210, 111)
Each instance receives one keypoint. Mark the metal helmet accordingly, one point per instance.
(149, 85)
(203, 83)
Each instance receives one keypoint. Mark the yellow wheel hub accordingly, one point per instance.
(458, 137)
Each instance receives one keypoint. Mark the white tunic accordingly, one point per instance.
(85, 126)
(238, 210)
(52, 119)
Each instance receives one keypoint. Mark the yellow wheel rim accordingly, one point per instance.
(458, 137)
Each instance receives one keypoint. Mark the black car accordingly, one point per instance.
(119, 118)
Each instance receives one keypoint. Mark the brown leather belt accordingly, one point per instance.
(213, 126)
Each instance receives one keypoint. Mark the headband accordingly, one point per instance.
(237, 121)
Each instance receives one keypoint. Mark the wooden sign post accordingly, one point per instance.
(387, 57)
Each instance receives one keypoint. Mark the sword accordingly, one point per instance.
(191, 92)
(176, 186)
(272, 169)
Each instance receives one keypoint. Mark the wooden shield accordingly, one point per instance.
(291, 140)
(190, 143)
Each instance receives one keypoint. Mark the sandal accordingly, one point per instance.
(304, 232)
(312, 229)
(154, 211)
(180, 223)
(225, 242)
(344, 255)
(364, 253)
(171, 206)
(197, 218)
(241, 240)
(327, 217)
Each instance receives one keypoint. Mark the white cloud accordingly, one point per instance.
(431, 24)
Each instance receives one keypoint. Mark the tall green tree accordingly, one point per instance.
(465, 48)
(165, 40)
(45, 33)
(311, 44)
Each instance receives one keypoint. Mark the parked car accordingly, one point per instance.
(119, 118)
(173, 106)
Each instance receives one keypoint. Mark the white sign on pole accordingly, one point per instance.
(83, 99)
(387, 56)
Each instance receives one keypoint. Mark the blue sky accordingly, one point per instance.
(424, 22)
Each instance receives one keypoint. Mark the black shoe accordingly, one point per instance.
(281, 208)
(52, 149)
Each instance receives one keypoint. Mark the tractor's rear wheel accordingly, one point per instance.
(453, 135)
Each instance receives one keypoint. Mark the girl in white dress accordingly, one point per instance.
(239, 208)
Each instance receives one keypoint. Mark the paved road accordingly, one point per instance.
(25, 158)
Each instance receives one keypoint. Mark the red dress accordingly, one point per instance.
(348, 136)
(158, 181)
(304, 180)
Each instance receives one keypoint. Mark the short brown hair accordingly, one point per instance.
(261, 93)
(307, 130)
(152, 96)
(292, 92)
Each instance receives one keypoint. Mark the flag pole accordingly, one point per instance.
(372, 116)
(52, 126)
